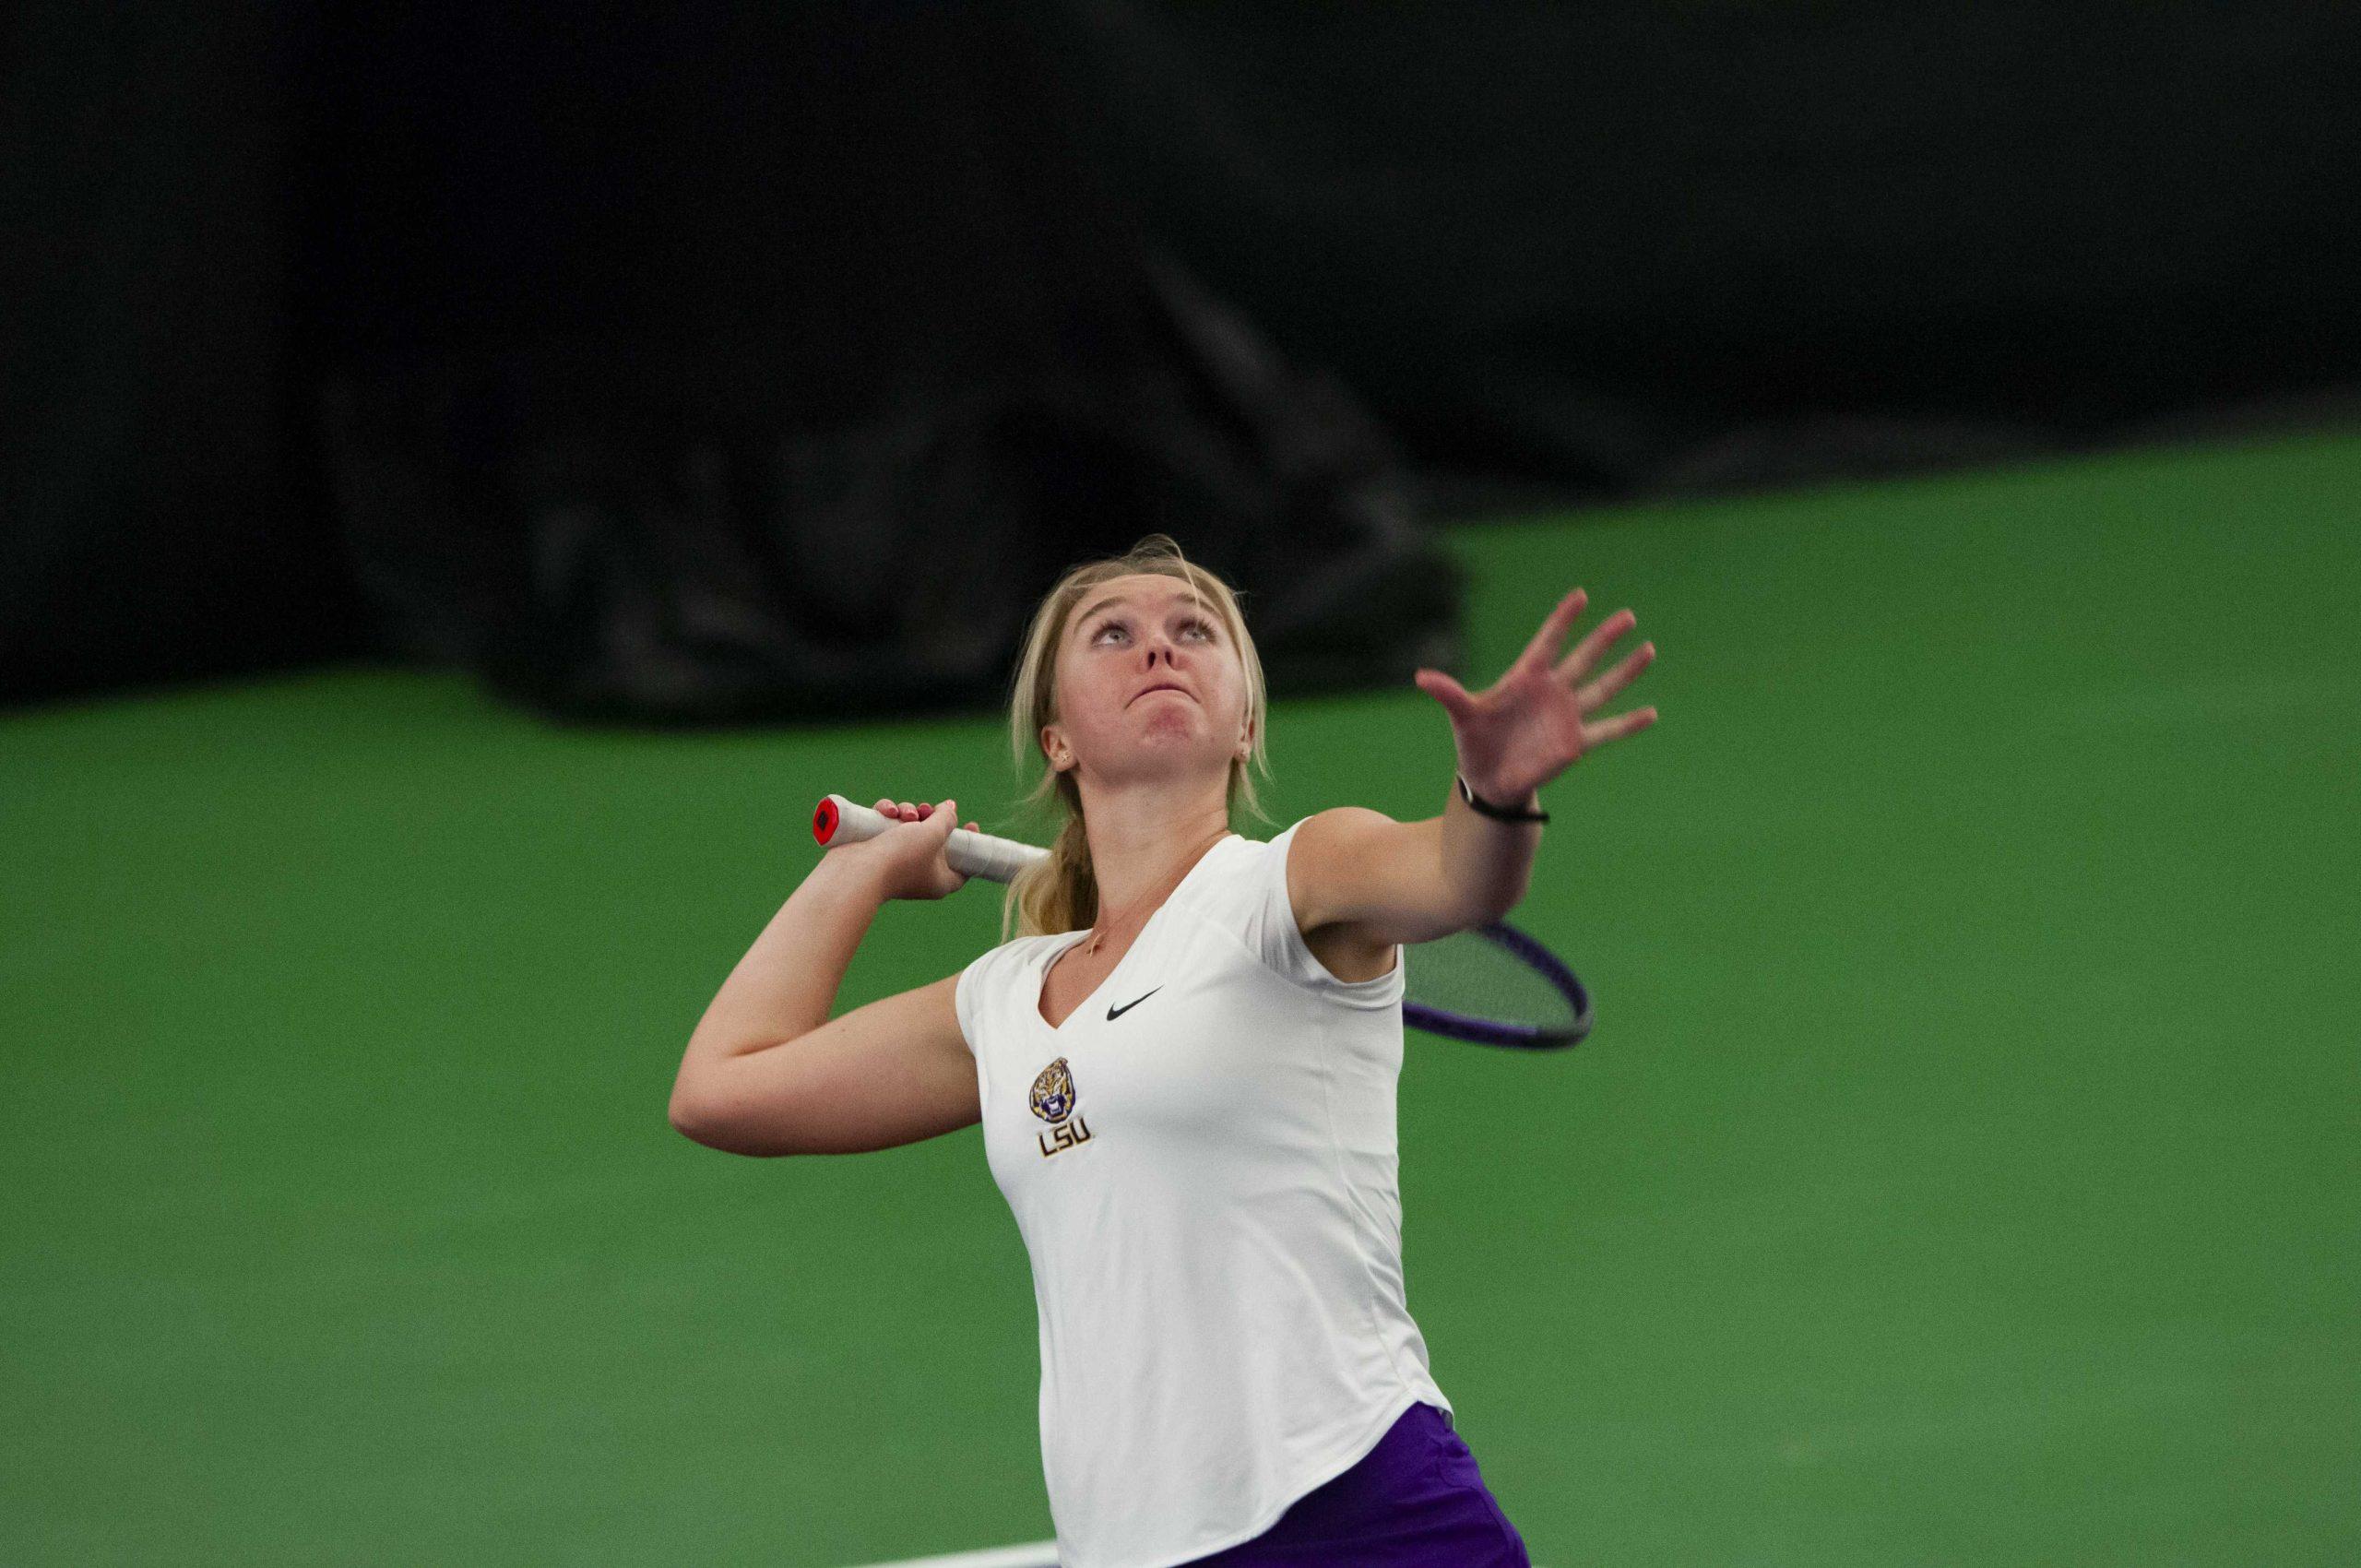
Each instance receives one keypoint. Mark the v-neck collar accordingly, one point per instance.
(1054, 950)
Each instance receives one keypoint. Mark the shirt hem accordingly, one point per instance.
(1358, 1450)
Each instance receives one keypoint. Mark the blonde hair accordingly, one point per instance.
(1061, 892)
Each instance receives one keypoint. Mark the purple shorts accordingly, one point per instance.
(1415, 1501)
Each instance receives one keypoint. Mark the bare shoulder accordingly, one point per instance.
(1329, 849)
(1319, 870)
(1383, 881)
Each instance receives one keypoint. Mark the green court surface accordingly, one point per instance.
(1965, 1168)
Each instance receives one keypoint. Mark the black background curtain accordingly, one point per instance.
(708, 362)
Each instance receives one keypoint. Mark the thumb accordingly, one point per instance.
(947, 812)
(1443, 688)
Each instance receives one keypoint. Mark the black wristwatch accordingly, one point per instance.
(1501, 813)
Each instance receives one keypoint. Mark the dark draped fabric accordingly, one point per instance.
(704, 363)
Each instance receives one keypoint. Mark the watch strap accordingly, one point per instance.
(1498, 814)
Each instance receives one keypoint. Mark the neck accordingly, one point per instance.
(1145, 834)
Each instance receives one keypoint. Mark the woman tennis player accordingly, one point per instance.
(1185, 1064)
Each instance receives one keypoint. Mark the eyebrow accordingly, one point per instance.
(1194, 601)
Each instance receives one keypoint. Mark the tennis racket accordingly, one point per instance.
(1492, 984)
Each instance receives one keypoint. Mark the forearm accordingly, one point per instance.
(786, 985)
(1489, 861)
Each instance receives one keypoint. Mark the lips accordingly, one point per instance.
(1166, 686)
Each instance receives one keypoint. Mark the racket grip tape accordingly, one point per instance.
(837, 820)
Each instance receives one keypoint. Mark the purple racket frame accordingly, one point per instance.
(1515, 1036)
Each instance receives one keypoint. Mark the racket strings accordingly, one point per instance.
(1469, 974)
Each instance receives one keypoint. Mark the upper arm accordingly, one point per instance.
(891, 1072)
(1382, 879)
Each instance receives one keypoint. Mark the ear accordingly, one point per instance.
(1053, 743)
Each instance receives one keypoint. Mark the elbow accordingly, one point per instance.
(687, 1111)
(714, 1126)
(1478, 920)
(701, 1121)
(1481, 903)
(1492, 910)
(692, 1121)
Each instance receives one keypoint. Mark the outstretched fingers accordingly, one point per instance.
(1615, 728)
(1599, 693)
(1577, 664)
(1552, 634)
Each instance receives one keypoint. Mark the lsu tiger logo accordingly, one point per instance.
(1053, 1101)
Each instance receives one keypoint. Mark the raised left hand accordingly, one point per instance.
(1530, 726)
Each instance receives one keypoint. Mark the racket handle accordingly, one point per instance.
(838, 821)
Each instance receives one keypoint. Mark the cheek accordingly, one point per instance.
(1099, 696)
(1233, 694)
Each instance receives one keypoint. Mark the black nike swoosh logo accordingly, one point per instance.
(1115, 1013)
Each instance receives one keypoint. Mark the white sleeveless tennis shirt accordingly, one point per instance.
(1202, 1161)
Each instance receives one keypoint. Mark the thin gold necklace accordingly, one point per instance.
(1098, 933)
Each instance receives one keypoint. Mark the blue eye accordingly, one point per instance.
(1202, 624)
